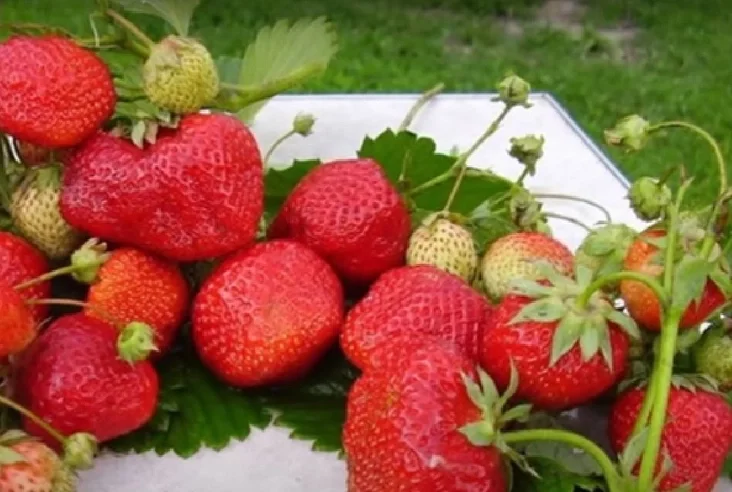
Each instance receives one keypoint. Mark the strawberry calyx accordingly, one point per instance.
(604, 250)
(136, 342)
(581, 312)
(494, 415)
(87, 260)
(79, 451)
(630, 458)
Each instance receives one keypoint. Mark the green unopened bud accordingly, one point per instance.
(527, 150)
(87, 260)
(80, 450)
(630, 133)
(136, 342)
(525, 210)
(514, 91)
(303, 124)
(649, 198)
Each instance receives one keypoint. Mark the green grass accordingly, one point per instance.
(679, 66)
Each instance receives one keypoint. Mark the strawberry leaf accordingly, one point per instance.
(281, 56)
(177, 13)
(195, 410)
(553, 477)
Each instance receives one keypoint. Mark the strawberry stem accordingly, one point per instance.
(560, 196)
(74, 303)
(584, 298)
(35, 418)
(276, 144)
(423, 99)
(571, 220)
(461, 164)
(49, 276)
(574, 440)
(130, 27)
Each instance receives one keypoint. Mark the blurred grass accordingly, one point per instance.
(678, 66)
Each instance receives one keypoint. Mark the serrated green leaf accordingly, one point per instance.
(280, 51)
(196, 411)
(689, 280)
(279, 183)
(553, 477)
(543, 310)
(177, 13)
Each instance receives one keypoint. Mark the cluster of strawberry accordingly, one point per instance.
(456, 349)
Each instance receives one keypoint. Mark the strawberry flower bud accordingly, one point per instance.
(527, 150)
(514, 91)
(136, 342)
(79, 451)
(525, 211)
(649, 198)
(630, 133)
(303, 124)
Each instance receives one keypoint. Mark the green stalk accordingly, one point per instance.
(584, 298)
(424, 99)
(576, 441)
(35, 418)
(461, 164)
(276, 144)
(249, 94)
(560, 196)
(51, 275)
(571, 220)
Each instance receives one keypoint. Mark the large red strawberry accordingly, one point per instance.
(645, 257)
(404, 421)
(267, 314)
(133, 285)
(20, 262)
(565, 352)
(75, 377)
(17, 324)
(696, 437)
(196, 193)
(351, 215)
(53, 93)
(419, 301)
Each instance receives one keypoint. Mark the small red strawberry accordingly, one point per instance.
(17, 325)
(267, 314)
(565, 352)
(30, 466)
(53, 93)
(196, 193)
(405, 421)
(133, 285)
(21, 262)
(513, 256)
(419, 301)
(696, 437)
(82, 375)
(642, 303)
(351, 215)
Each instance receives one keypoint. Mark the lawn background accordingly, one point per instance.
(602, 59)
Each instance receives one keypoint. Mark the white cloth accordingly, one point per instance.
(268, 461)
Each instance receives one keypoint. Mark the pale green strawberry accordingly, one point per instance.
(516, 255)
(180, 75)
(713, 356)
(442, 242)
(36, 214)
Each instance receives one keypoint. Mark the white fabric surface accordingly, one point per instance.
(268, 461)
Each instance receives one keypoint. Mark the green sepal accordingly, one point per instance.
(9, 456)
(530, 288)
(693, 382)
(690, 278)
(629, 458)
(543, 310)
(722, 280)
(567, 334)
(625, 322)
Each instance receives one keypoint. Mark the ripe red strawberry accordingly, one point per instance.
(697, 435)
(564, 354)
(196, 193)
(41, 470)
(53, 93)
(511, 257)
(20, 262)
(403, 425)
(17, 325)
(419, 301)
(76, 378)
(133, 285)
(350, 214)
(267, 314)
(640, 300)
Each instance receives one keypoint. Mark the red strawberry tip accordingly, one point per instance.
(79, 451)
(86, 261)
(136, 342)
(582, 313)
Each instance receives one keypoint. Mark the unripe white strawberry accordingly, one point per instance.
(445, 244)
